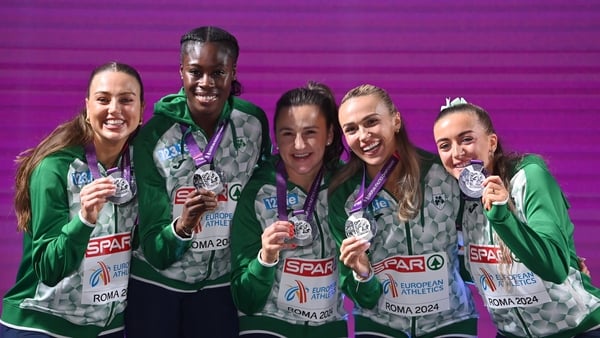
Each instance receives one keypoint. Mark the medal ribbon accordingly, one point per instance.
(92, 161)
(199, 157)
(378, 182)
(311, 198)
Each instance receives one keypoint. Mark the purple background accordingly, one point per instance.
(534, 65)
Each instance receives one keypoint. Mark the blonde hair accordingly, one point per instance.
(408, 186)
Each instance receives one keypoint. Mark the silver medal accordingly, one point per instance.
(361, 227)
(209, 180)
(471, 179)
(303, 231)
(124, 192)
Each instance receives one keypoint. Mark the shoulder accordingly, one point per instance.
(248, 107)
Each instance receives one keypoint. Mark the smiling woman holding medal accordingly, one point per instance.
(75, 205)
(284, 267)
(195, 155)
(518, 234)
(392, 211)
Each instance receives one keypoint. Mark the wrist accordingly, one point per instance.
(363, 277)
(181, 229)
(266, 264)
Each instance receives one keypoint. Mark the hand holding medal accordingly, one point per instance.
(471, 179)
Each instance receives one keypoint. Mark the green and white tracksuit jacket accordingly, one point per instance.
(165, 176)
(417, 290)
(299, 296)
(72, 280)
(542, 293)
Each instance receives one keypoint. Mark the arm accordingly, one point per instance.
(366, 294)
(160, 244)
(59, 242)
(251, 282)
(542, 242)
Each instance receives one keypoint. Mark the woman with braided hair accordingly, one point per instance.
(194, 157)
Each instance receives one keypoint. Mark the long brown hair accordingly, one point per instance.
(73, 132)
(502, 165)
(408, 184)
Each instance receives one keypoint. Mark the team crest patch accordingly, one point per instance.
(439, 200)
(241, 143)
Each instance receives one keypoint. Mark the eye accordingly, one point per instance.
(349, 130)
(194, 73)
(219, 74)
(371, 122)
(126, 100)
(468, 139)
(103, 99)
(443, 146)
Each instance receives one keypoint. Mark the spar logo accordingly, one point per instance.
(390, 286)
(487, 281)
(100, 275)
(298, 291)
(182, 193)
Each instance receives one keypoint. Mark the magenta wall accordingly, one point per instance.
(535, 65)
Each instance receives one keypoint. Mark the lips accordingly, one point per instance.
(114, 122)
(205, 98)
(370, 147)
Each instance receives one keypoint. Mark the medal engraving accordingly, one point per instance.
(124, 191)
(303, 231)
(209, 180)
(361, 227)
(471, 179)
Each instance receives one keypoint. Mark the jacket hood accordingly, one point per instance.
(174, 106)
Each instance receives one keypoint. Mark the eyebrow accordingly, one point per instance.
(459, 135)
(362, 120)
(103, 92)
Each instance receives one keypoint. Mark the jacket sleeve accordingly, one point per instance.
(542, 242)
(366, 294)
(251, 282)
(159, 243)
(59, 242)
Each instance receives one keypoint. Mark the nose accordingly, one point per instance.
(299, 141)
(457, 150)
(364, 133)
(113, 107)
(206, 80)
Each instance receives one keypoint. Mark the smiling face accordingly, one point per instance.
(114, 107)
(460, 138)
(302, 135)
(207, 71)
(370, 129)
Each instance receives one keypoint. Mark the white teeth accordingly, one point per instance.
(206, 98)
(371, 146)
(301, 155)
(115, 122)
(462, 165)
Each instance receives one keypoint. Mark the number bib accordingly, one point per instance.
(504, 285)
(308, 288)
(106, 269)
(414, 285)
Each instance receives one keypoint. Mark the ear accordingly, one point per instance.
(143, 107)
(397, 122)
(330, 136)
(181, 71)
(493, 142)
(234, 71)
